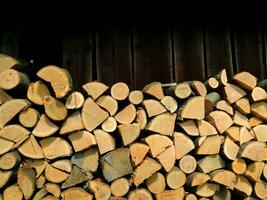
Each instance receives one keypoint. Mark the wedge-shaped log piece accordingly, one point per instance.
(72, 123)
(197, 178)
(82, 140)
(116, 164)
(255, 151)
(126, 115)
(220, 119)
(182, 144)
(254, 171)
(194, 108)
(139, 193)
(13, 192)
(153, 107)
(44, 127)
(37, 91)
(259, 109)
(158, 143)
(92, 115)
(241, 119)
(31, 149)
(95, 89)
(9, 160)
(254, 121)
(10, 109)
(242, 185)
(167, 158)
(245, 135)
(105, 141)
(156, 124)
(129, 132)
(59, 78)
(86, 160)
(138, 152)
(198, 88)
(55, 109)
(207, 189)
(55, 175)
(246, 80)
(232, 93)
(223, 177)
(6, 145)
(4, 97)
(175, 178)
(260, 189)
(63, 165)
(76, 193)
(230, 149)
(4, 177)
(211, 145)
(53, 189)
(75, 100)
(258, 94)
(261, 132)
(243, 106)
(233, 133)
(210, 163)
(108, 103)
(154, 89)
(145, 170)
(224, 106)
(26, 181)
(171, 194)
(100, 189)
(119, 91)
(156, 183)
(170, 103)
(141, 118)
(76, 177)
(189, 127)
(55, 147)
(38, 165)
(205, 128)
(120, 187)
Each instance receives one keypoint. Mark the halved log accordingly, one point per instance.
(241, 119)
(29, 117)
(243, 106)
(82, 140)
(55, 175)
(156, 183)
(44, 127)
(136, 97)
(6, 145)
(31, 149)
(116, 164)
(154, 89)
(230, 149)
(205, 128)
(197, 178)
(55, 147)
(13, 192)
(55, 109)
(100, 189)
(4, 96)
(129, 132)
(9, 160)
(255, 151)
(183, 144)
(258, 94)
(233, 133)
(76, 193)
(188, 164)
(4, 177)
(59, 78)
(198, 88)
(109, 125)
(26, 181)
(254, 121)
(221, 77)
(189, 127)
(76, 177)
(40, 194)
(260, 189)
(177, 194)
(211, 145)
(207, 189)
(145, 170)
(126, 115)
(10, 109)
(245, 135)
(157, 143)
(220, 119)
(175, 178)
(210, 163)
(138, 152)
(223, 177)
(246, 80)
(53, 189)
(167, 158)
(95, 89)
(242, 185)
(239, 166)
(38, 165)
(224, 106)
(170, 103)
(72, 123)
(194, 108)
(139, 194)
(260, 132)
(254, 171)
(190, 196)
(120, 187)
(7, 62)
(63, 165)
(108, 103)
(153, 107)
(91, 120)
(104, 140)
(141, 118)
(37, 91)
(259, 109)
(232, 93)
(75, 100)
(167, 119)
(119, 91)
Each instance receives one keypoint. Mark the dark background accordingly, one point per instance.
(140, 53)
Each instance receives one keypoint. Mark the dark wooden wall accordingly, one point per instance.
(141, 53)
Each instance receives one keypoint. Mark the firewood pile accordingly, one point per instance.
(189, 140)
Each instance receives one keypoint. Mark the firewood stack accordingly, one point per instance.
(189, 140)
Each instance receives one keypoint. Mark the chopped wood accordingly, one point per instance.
(181, 90)
(59, 78)
(233, 133)
(232, 93)
(258, 94)
(72, 123)
(156, 183)
(108, 103)
(13, 192)
(26, 181)
(63, 165)
(183, 144)
(223, 177)
(40, 182)
(141, 118)
(255, 151)
(29, 117)
(44, 127)
(9, 160)
(220, 119)
(205, 128)
(11, 79)
(207, 189)
(154, 89)
(175, 178)
(254, 121)
(100, 189)
(129, 132)
(157, 143)
(260, 132)
(211, 101)
(4, 177)
(260, 189)
(40, 194)
(188, 164)
(224, 106)
(194, 108)
(120, 187)
(55, 109)
(119, 91)
(246, 80)
(170, 103)
(264, 172)
(245, 135)
(230, 149)
(126, 115)
(211, 145)
(136, 97)
(197, 178)
(259, 110)
(139, 194)
(76, 193)
(6, 145)
(221, 77)
(104, 140)
(240, 119)
(109, 125)
(254, 171)
(76, 177)
(239, 166)
(53, 189)
(82, 140)
(138, 152)
(198, 88)
(242, 185)
(38, 165)
(95, 89)
(75, 100)
(190, 197)
(167, 158)
(55, 175)
(243, 106)
(177, 194)
(153, 107)
(4, 96)
(189, 127)
(37, 91)
(211, 84)
(210, 163)
(31, 149)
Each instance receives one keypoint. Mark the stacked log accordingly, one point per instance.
(189, 140)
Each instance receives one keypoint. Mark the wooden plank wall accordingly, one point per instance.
(138, 54)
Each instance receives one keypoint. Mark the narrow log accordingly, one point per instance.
(82, 140)
(109, 125)
(136, 97)
(207, 189)
(154, 89)
(211, 101)
(100, 189)
(129, 132)
(170, 103)
(175, 178)
(194, 108)
(183, 144)
(37, 91)
(75, 100)
(95, 89)
(126, 115)
(120, 187)
(188, 164)
(156, 183)
(119, 91)
(138, 152)
(11, 79)
(108, 103)
(9, 160)
(264, 172)
(72, 123)
(104, 140)
(181, 90)
(29, 117)
(26, 181)
(44, 127)
(139, 193)
(211, 84)
(6, 145)
(40, 182)
(55, 109)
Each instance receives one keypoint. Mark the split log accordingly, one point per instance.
(129, 132)
(4, 177)
(55, 109)
(138, 152)
(258, 94)
(210, 163)
(255, 150)
(156, 183)
(239, 166)
(154, 89)
(157, 143)
(37, 91)
(109, 125)
(55, 147)
(242, 185)
(153, 107)
(230, 149)
(104, 140)
(246, 80)
(11, 79)
(254, 121)
(177, 194)
(40, 182)
(26, 181)
(224, 106)
(116, 164)
(126, 115)
(205, 128)
(55, 175)
(59, 79)
(183, 144)
(167, 119)
(197, 178)
(100, 189)
(207, 189)
(189, 127)
(44, 127)
(120, 187)
(167, 158)
(260, 189)
(9, 160)
(119, 91)
(175, 178)
(63, 165)
(170, 103)
(4, 97)
(76, 193)
(211, 145)
(245, 135)
(194, 108)
(254, 171)
(259, 110)
(260, 132)
(220, 119)
(10, 109)
(95, 89)
(108, 103)
(223, 177)
(40, 194)
(13, 192)
(198, 88)
(188, 164)
(75, 100)
(6, 145)
(29, 117)
(211, 84)
(136, 97)
(233, 133)
(141, 118)
(221, 77)
(222, 194)
(38, 165)
(139, 194)
(72, 123)
(82, 140)
(241, 119)
(31, 149)
(243, 106)
(92, 119)
(76, 177)
(53, 189)
(232, 93)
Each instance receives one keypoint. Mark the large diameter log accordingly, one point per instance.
(26, 181)
(141, 118)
